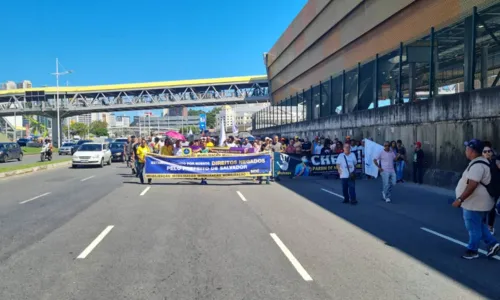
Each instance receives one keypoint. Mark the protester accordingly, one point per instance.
(339, 148)
(135, 167)
(476, 202)
(177, 148)
(168, 148)
(195, 146)
(256, 146)
(276, 145)
(156, 145)
(246, 144)
(386, 169)
(265, 147)
(346, 164)
(327, 149)
(141, 152)
(418, 164)
(400, 161)
(306, 147)
(290, 149)
(297, 144)
(318, 147)
(489, 154)
(210, 144)
(126, 151)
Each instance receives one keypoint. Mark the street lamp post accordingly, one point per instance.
(57, 100)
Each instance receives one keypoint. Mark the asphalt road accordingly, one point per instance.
(32, 158)
(97, 234)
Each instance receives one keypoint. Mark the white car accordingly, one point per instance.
(92, 154)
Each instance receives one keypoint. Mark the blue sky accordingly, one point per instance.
(122, 41)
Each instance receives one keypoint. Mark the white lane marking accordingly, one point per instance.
(95, 242)
(291, 258)
(145, 191)
(454, 240)
(85, 179)
(335, 194)
(34, 198)
(241, 196)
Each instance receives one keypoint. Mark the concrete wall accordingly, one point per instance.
(441, 124)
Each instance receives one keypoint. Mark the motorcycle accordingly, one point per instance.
(45, 154)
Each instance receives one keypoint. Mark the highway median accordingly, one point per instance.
(35, 150)
(14, 170)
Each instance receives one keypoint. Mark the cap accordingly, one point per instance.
(419, 144)
(475, 144)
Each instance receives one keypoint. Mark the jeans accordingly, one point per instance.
(140, 171)
(491, 216)
(388, 181)
(418, 173)
(136, 167)
(477, 229)
(349, 189)
(400, 168)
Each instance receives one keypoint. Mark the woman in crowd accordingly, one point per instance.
(290, 149)
(168, 148)
(400, 161)
(339, 147)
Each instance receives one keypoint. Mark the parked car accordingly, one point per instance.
(78, 144)
(117, 151)
(66, 148)
(9, 151)
(96, 154)
(121, 140)
(23, 142)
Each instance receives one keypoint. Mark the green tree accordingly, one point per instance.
(185, 130)
(99, 128)
(195, 112)
(78, 129)
(212, 117)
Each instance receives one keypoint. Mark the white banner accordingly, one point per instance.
(372, 150)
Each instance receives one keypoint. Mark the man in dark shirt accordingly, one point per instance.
(306, 147)
(418, 164)
(135, 167)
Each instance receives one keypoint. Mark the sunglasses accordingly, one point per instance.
(487, 151)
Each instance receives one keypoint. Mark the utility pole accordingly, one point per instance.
(59, 131)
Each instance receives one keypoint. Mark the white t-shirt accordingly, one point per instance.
(480, 199)
(351, 162)
(177, 151)
(248, 145)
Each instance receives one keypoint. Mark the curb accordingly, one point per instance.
(34, 169)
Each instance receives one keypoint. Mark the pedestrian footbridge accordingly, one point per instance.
(134, 96)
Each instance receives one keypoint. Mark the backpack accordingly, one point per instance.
(494, 187)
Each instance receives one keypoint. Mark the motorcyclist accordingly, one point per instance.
(48, 144)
